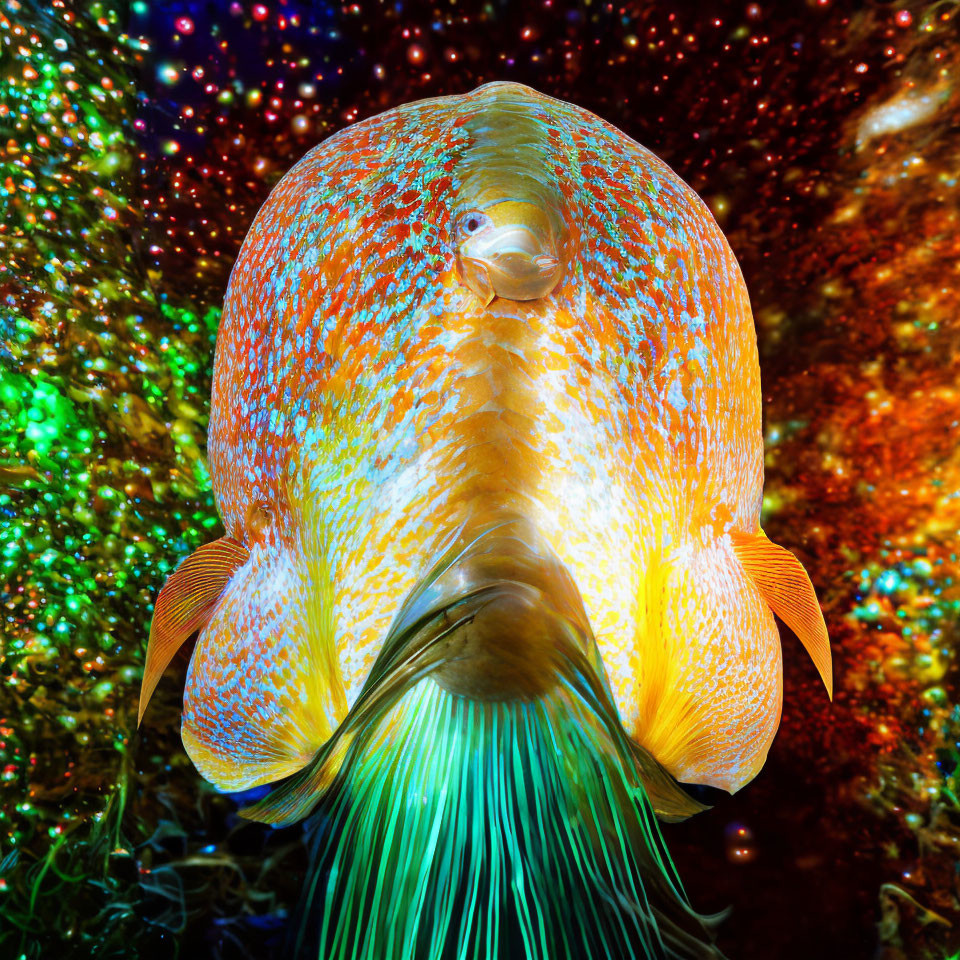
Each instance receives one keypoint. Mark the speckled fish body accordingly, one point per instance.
(374, 396)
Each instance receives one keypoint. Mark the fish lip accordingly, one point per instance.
(510, 264)
(524, 278)
(475, 275)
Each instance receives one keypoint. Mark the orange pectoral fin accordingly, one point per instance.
(784, 584)
(185, 604)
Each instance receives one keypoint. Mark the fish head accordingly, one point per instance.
(508, 250)
(513, 226)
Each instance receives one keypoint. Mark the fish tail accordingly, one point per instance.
(472, 807)
(480, 829)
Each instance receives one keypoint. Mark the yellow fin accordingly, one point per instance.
(670, 802)
(184, 605)
(784, 584)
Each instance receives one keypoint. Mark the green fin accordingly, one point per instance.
(475, 829)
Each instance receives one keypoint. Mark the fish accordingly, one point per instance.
(493, 596)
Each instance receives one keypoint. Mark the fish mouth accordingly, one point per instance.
(511, 263)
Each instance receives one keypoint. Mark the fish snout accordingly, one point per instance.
(511, 262)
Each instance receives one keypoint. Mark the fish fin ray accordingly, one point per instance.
(184, 605)
(786, 587)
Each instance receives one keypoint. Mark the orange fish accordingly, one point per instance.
(486, 441)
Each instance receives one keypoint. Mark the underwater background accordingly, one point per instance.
(137, 142)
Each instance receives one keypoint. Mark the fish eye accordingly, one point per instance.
(471, 222)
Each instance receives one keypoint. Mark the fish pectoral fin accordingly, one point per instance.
(784, 584)
(296, 798)
(185, 604)
(670, 802)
